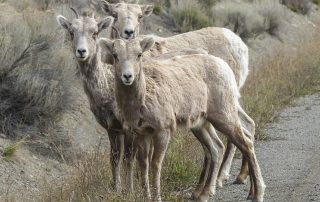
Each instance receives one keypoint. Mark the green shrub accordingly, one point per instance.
(157, 9)
(317, 2)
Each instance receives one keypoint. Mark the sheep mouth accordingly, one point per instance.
(127, 83)
(82, 58)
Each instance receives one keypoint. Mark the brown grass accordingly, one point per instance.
(286, 74)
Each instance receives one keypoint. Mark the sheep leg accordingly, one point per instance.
(217, 143)
(244, 173)
(160, 141)
(234, 131)
(143, 144)
(130, 150)
(206, 140)
(228, 156)
(116, 143)
(226, 164)
(205, 168)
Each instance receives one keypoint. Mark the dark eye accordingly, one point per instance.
(139, 55)
(95, 35)
(71, 34)
(115, 16)
(140, 17)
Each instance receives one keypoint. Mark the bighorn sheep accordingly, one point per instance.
(219, 42)
(153, 96)
(127, 17)
(223, 43)
(98, 85)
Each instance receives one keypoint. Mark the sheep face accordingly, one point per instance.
(127, 56)
(127, 17)
(83, 34)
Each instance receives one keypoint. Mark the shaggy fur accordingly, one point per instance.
(219, 42)
(156, 98)
(225, 44)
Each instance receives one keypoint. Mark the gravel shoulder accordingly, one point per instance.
(289, 159)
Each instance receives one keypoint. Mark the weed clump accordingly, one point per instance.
(189, 15)
(249, 20)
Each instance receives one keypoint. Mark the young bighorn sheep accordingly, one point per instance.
(153, 97)
(98, 85)
(127, 17)
(223, 43)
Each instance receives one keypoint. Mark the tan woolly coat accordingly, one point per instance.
(179, 90)
(219, 42)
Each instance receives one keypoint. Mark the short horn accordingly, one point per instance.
(75, 12)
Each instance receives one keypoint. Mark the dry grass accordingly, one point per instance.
(33, 74)
(286, 74)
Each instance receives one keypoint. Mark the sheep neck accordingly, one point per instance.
(94, 77)
(131, 99)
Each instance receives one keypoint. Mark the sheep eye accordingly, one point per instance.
(140, 17)
(71, 34)
(115, 16)
(95, 35)
(139, 55)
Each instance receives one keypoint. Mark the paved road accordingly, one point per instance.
(289, 159)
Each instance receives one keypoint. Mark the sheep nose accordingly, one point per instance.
(129, 33)
(82, 51)
(127, 76)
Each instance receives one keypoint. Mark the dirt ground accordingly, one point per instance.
(289, 159)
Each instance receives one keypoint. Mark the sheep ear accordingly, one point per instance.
(106, 44)
(64, 22)
(106, 6)
(105, 23)
(147, 10)
(146, 44)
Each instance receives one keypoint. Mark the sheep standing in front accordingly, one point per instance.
(154, 96)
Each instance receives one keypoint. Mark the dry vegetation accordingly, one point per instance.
(299, 6)
(33, 80)
(246, 18)
(249, 20)
(287, 73)
(36, 82)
